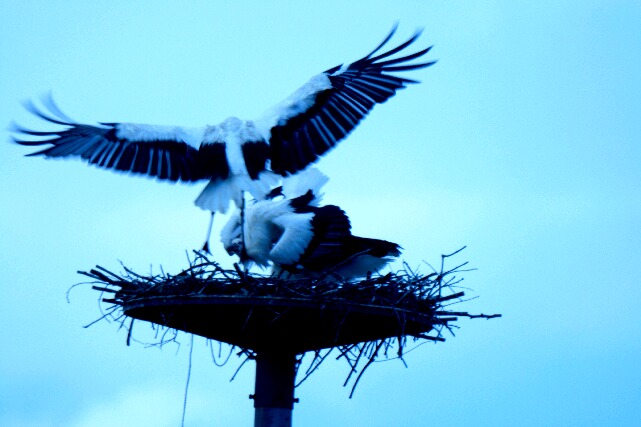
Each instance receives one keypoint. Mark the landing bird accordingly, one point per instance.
(300, 238)
(236, 155)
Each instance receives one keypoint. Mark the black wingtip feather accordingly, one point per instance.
(30, 143)
(383, 43)
(29, 106)
(409, 67)
(43, 152)
(405, 58)
(396, 49)
(50, 104)
(16, 128)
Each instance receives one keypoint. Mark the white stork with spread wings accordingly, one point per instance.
(289, 231)
(237, 154)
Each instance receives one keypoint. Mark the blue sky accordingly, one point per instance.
(522, 143)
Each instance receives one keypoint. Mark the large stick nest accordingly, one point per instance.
(373, 319)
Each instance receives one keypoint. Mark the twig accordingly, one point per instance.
(369, 362)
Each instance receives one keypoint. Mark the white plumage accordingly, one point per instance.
(236, 155)
(291, 232)
(274, 216)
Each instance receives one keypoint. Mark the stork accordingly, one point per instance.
(235, 155)
(291, 232)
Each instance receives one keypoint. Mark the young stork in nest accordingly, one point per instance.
(290, 231)
(236, 155)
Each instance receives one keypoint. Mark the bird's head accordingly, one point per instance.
(235, 247)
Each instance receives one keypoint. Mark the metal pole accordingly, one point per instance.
(274, 396)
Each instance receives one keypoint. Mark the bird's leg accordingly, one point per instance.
(211, 224)
(243, 251)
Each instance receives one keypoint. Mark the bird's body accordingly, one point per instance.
(236, 155)
(294, 235)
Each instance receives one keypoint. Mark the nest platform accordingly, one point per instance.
(261, 313)
(276, 320)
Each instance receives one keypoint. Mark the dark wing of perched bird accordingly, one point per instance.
(333, 248)
(322, 112)
(330, 226)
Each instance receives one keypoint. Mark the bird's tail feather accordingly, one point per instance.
(216, 196)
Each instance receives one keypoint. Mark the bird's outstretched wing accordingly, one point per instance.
(165, 152)
(323, 111)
